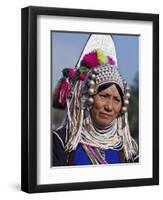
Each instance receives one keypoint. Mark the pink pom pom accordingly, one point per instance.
(111, 61)
(72, 73)
(91, 60)
(83, 76)
(62, 92)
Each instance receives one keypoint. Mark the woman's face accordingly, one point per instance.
(106, 107)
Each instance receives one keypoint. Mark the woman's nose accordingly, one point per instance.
(108, 106)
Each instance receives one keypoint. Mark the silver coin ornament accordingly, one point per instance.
(90, 100)
(91, 91)
(91, 83)
(128, 95)
(94, 70)
(124, 82)
(127, 88)
(124, 109)
(126, 101)
(93, 76)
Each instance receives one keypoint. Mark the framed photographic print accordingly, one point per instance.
(90, 99)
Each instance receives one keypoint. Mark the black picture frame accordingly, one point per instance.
(29, 98)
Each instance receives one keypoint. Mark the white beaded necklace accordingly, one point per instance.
(104, 139)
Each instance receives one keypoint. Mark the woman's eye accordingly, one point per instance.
(117, 100)
(102, 95)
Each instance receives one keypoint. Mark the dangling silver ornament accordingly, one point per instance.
(128, 95)
(126, 101)
(91, 83)
(128, 88)
(91, 91)
(90, 100)
(124, 109)
(94, 70)
(124, 82)
(92, 76)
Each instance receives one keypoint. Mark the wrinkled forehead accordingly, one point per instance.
(111, 86)
(108, 88)
(111, 89)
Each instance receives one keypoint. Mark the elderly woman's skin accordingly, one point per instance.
(106, 107)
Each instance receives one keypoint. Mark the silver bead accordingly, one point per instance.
(128, 95)
(94, 70)
(124, 109)
(128, 88)
(93, 76)
(90, 100)
(91, 83)
(91, 91)
(124, 82)
(126, 101)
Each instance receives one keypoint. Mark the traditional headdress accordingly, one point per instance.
(96, 66)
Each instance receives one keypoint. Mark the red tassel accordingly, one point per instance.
(62, 92)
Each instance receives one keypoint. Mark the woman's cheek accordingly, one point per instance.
(96, 109)
(98, 103)
(117, 109)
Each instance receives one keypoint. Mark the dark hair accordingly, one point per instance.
(107, 85)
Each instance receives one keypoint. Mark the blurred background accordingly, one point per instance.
(66, 48)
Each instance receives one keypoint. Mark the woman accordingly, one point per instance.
(96, 129)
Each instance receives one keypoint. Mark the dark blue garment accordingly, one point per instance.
(80, 157)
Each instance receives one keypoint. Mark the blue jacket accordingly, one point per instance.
(78, 156)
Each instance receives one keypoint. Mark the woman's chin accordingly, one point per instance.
(103, 123)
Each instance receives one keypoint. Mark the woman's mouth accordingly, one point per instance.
(105, 115)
